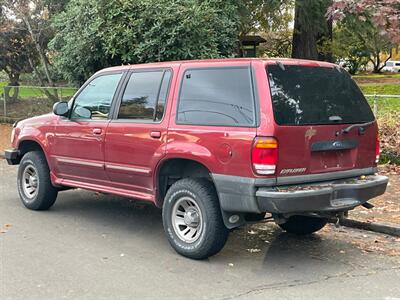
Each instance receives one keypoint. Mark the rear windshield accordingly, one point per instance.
(303, 95)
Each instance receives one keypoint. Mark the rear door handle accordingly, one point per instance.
(155, 134)
(97, 131)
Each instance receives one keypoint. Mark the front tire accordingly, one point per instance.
(192, 219)
(34, 185)
(303, 225)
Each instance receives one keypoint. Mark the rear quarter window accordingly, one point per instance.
(219, 97)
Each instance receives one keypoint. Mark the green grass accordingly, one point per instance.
(385, 106)
(38, 92)
(380, 89)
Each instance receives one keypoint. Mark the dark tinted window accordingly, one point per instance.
(143, 93)
(96, 97)
(315, 95)
(217, 97)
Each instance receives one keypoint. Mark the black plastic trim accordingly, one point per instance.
(334, 145)
(334, 196)
(238, 194)
(12, 156)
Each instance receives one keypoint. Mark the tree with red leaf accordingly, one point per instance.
(384, 14)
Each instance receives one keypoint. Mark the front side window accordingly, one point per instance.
(94, 102)
(145, 96)
(221, 97)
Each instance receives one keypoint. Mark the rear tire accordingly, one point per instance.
(34, 185)
(192, 219)
(303, 225)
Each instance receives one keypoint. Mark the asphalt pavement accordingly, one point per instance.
(94, 246)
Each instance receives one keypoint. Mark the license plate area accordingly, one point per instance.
(325, 161)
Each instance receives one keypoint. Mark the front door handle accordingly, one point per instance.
(97, 131)
(155, 134)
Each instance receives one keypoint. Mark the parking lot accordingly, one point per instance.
(92, 246)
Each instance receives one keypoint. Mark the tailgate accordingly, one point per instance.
(319, 149)
(312, 107)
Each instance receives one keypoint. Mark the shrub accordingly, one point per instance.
(389, 132)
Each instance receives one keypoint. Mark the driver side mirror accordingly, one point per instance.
(61, 109)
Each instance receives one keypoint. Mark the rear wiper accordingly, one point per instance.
(348, 129)
(335, 118)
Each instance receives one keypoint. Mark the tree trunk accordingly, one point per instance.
(11, 92)
(311, 29)
(324, 41)
(387, 59)
(304, 39)
(53, 97)
(39, 50)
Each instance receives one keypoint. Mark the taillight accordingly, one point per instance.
(264, 155)
(377, 149)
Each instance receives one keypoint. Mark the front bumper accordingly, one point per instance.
(335, 196)
(318, 193)
(12, 156)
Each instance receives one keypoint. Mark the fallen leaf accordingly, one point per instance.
(254, 250)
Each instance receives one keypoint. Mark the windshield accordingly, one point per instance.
(303, 95)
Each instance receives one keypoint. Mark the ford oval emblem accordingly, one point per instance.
(337, 144)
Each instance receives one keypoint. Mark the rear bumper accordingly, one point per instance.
(334, 196)
(338, 192)
(12, 156)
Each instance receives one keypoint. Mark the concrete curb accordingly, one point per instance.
(386, 228)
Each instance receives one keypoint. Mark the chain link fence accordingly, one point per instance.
(384, 105)
(18, 102)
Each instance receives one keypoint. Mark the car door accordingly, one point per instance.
(136, 138)
(78, 150)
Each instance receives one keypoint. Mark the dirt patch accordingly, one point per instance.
(5, 134)
(377, 80)
(387, 206)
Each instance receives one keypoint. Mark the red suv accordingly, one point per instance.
(214, 143)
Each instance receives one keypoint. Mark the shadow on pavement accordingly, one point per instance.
(307, 258)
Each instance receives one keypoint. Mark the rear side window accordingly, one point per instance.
(222, 97)
(145, 96)
(303, 95)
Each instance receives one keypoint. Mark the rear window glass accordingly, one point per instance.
(222, 97)
(303, 95)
